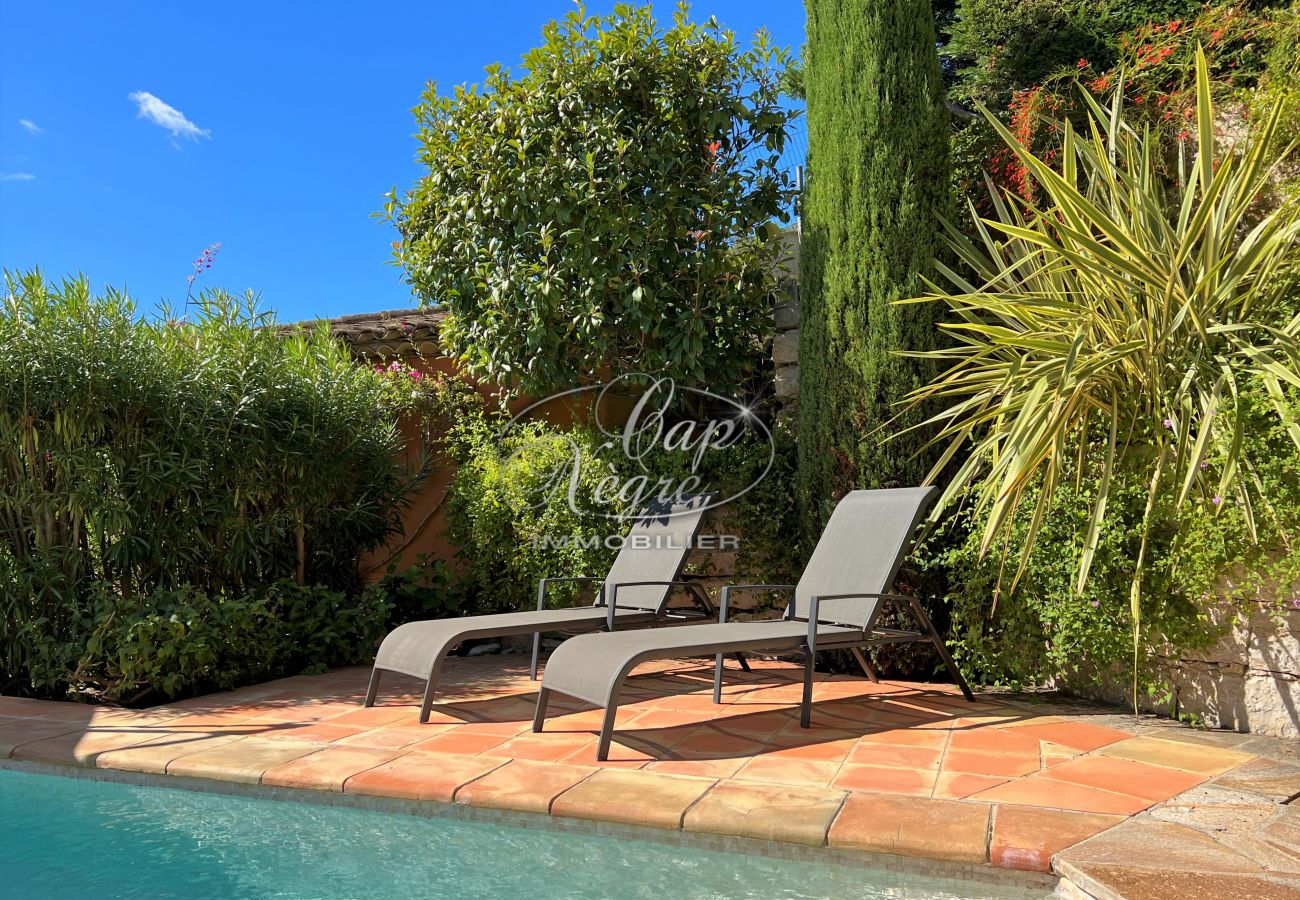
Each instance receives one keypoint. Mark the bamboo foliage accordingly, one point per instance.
(1124, 313)
(217, 455)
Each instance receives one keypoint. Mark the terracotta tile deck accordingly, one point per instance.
(896, 768)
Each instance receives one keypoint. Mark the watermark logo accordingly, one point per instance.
(657, 443)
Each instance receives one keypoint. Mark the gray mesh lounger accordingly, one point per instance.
(836, 605)
(634, 592)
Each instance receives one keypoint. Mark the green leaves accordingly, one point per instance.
(602, 209)
(1124, 315)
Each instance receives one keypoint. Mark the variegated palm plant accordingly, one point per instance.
(1123, 315)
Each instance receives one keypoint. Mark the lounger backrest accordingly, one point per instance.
(655, 548)
(860, 552)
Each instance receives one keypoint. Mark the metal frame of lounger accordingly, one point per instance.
(449, 635)
(816, 634)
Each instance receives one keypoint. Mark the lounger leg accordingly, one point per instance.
(607, 731)
(426, 705)
(539, 717)
(537, 649)
(373, 690)
(805, 708)
(943, 651)
(866, 666)
(717, 680)
(744, 663)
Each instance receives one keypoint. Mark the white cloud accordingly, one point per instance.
(169, 117)
(17, 176)
(32, 127)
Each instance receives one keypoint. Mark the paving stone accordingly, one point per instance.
(523, 785)
(327, 769)
(1145, 884)
(29, 731)
(421, 775)
(241, 761)
(1080, 736)
(766, 812)
(809, 772)
(1160, 846)
(1003, 764)
(1275, 781)
(635, 798)
(897, 756)
(1126, 776)
(915, 782)
(154, 756)
(1040, 790)
(960, 785)
(1178, 755)
(911, 826)
(82, 746)
(1027, 837)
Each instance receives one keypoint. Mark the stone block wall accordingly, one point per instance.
(1249, 681)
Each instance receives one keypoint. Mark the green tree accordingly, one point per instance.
(609, 209)
(878, 184)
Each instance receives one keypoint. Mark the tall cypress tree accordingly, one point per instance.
(877, 186)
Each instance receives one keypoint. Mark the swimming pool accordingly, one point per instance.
(80, 838)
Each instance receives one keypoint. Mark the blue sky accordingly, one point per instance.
(288, 122)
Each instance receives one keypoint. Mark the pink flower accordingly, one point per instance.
(1169, 423)
(415, 374)
(1096, 604)
(1217, 500)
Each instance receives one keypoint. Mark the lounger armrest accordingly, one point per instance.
(728, 588)
(541, 588)
(857, 595)
(694, 588)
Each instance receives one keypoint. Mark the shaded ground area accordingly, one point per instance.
(896, 768)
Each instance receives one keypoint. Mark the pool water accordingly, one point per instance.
(79, 838)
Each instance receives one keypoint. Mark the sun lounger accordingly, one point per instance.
(635, 592)
(836, 605)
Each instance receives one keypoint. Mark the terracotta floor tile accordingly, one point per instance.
(635, 798)
(1078, 735)
(315, 733)
(707, 741)
(1178, 755)
(755, 724)
(393, 737)
(1026, 837)
(1039, 790)
(916, 782)
(907, 737)
(378, 717)
(701, 768)
(327, 769)
(829, 751)
(83, 747)
(895, 755)
(241, 761)
(29, 731)
(766, 812)
(1008, 765)
(994, 740)
(621, 756)
(960, 785)
(153, 757)
(1125, 776)
(523, 785)
(459, 741)
(544, 747)
(420, 775)
(812, 772)
(934, 829)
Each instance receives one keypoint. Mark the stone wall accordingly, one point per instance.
(1249, 681)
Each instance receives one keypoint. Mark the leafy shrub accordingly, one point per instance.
(171, 470)
(606, 210)
(1124, 323)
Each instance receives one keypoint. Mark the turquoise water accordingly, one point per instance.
(73, 838)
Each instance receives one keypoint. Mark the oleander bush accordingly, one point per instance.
(165, 479)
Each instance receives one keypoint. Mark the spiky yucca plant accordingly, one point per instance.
(1124, 314)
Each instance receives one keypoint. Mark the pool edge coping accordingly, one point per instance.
(1021, 881)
